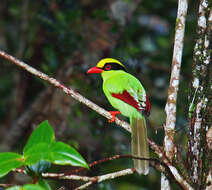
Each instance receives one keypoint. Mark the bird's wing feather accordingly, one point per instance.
(127, 98)
(129, 89)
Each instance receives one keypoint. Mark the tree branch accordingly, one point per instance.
(6, 185)
(170, 108)
(113, 175)
(174, 80)
(69, 91)
(114, 158)
(68, 175)
(175, 173)
(200, 118)
(165, 166)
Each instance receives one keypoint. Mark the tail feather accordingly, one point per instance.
(139, 144)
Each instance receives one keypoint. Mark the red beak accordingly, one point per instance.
(94, 70)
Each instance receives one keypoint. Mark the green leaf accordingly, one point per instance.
(43, 183)
(26, 187)
(36, 153)
(10, 161)
(56, 152)
(65, 154)
(32, 187)
(42, 134)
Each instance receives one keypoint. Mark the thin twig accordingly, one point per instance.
(96, 179)
(6, 185)
(165, 163)
(113, 175)
(19, 170)
(114, 158)
(90, 180)
(69, 91)
(70, 177)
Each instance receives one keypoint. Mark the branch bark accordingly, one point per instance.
(170, 108)
(200, 97)
(173, 170)
(174, 80)
(113, 175)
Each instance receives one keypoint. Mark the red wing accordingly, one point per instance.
(127, 98)
(147, 109)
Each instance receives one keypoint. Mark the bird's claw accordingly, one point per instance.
(113, 119)
(113, 114)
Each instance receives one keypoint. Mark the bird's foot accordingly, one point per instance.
(113, 113)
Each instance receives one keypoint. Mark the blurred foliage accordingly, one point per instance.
(60, 36)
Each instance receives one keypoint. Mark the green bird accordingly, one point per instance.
(127, 95)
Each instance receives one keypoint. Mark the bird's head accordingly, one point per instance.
(107, 64)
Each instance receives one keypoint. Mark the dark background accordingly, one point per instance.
(63, 38)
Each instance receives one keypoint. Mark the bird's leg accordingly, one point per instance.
(113, 113)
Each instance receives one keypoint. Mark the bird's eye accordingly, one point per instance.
(107, 67)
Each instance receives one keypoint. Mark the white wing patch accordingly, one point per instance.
(140, 99)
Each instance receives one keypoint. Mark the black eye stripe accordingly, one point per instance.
(113, 66)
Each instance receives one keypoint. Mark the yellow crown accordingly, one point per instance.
(102, 62)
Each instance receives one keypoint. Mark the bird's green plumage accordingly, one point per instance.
(117, 82)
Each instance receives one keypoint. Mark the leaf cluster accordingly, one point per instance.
(40, 151)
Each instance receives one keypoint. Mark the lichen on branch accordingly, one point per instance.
(201, 99)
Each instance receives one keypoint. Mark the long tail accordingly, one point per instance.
(139, 144)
